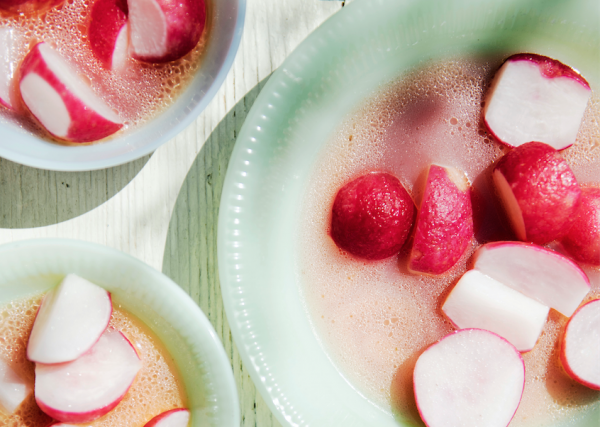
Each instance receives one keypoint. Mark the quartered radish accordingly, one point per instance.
(536, 98)
(580, 349)
(538, 273)
(179, 417)
(108, 33)
(471, 378)
(8, 66)
(478, 301)
(582, 241)
(13, 388)
(61, 101)
(90, 386)
(70, 320)
(539, 192)
(372, 216)
(165, 30)
(444, 226)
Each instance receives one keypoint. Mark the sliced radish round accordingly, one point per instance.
(108, 33)
(70, 320)
(478, 301)
(163, 30)
(536, 98)
(471, 378)
(580, 351)
(179, 417)
(90, 386)
(13, 388)
(538, 273)
(444, 226)
(8, 66)
(61, 101)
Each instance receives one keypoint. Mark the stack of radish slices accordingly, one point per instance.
(83, 368)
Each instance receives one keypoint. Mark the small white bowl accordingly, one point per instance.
(33, 266)
(227, 24)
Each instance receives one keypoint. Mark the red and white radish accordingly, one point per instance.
(372, 216)
(471, 378)
(179, 417)
(108, 33)
(580, 349)
(165, 30)
(70, 320)
(539, 192)
(539, 273)
(61, 101)
(8, 67)
(582, 241)
(536, 98)
(478, 301)
(13, 388)
(444, 226)
(90, 386)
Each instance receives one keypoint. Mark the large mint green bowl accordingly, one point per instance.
(33, 266)
(369, 42)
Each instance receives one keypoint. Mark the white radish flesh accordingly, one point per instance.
(535, 98)
(580, 351)
(90, 386)
(478, 301)
(471, 378)
(538, 273)
(8, 66)
(70, 320)
(13, 389)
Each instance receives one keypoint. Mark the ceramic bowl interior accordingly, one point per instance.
(31, 267)
(365, 45)
(226, 21)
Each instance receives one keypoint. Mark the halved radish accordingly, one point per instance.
(179, 417)
(61, 101)
(539, 192)
(108, 33)
(478, 301)
(538, 273)
(471, 378)
(13, 388)
(164, 30)
(444, 226)
(70, 320)
(536, 98)
(8, 66)
(582, 241)
(90, 386)
(580, 350)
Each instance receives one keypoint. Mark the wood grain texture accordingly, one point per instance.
(163, 209)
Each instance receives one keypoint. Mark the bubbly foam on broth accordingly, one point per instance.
(156, 388)
(375, 318)
(136, 94)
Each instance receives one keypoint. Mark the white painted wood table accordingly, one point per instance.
(163, 208)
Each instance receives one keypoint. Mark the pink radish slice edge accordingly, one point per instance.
(178, 417)
(89, 387)
(580, 351)
(457, 381)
